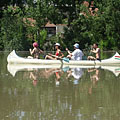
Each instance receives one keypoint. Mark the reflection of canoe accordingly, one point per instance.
(13, 58)
(114, 69)
(13, 68)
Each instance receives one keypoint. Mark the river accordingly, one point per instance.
(59, 93)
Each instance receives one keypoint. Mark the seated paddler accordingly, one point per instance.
(96, 51)
(58, 53)
(77, 54)
(35, 53)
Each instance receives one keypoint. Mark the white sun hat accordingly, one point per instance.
(76, 45)
(57, 44)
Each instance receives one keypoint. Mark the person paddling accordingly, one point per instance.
(77, 54)
(57, 54)
(36, 51)
(96, 51)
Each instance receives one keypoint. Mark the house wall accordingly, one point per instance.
(51, 31)
(60, 29)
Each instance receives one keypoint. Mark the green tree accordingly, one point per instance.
(22, 23)
(12, 30)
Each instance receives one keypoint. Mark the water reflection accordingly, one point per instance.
(94, 97)
(95, 77)
(35, 73)
(70, 73)
(34, 76)
(56, 71)
(55, 92)
(76, 73)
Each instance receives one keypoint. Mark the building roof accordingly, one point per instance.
(50, 25)
(53, 25)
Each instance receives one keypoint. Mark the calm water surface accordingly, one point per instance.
(61, 93)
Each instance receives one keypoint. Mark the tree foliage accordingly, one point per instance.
(22, 23)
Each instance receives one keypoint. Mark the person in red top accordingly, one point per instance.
(58, 53)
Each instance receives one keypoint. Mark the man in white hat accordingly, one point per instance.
(76, 54)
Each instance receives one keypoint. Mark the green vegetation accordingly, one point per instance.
(21, 23)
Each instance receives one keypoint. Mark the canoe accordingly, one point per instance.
(15, 59)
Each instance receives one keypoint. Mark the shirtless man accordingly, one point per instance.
(95, 50)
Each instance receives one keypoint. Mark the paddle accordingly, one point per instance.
(64, 58)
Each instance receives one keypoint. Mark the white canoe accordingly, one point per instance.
(15, 59)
